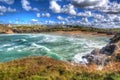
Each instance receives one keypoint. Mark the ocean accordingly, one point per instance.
(60, 47)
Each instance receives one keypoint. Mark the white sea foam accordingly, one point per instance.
(14, 48)
(5, 45)
(78, 58)
(10, 49)
(23, 40)
(90, 45)
(48, 38)
(60, 46)
(19, 50)
(33, 36)
(39, 46)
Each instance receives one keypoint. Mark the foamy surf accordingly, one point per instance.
(61, 47)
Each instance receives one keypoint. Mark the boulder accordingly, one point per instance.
(108, 49)
(115, 39)
(111, 52)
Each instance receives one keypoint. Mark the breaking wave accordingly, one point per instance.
(61, 47)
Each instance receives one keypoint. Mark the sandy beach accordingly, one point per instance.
(74, 33)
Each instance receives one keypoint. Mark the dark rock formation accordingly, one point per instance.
(115, 39)
(108, 49)
(111, 52)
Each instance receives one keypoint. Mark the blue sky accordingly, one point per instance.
(97, 13)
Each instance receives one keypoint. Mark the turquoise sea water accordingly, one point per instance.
(61, 47)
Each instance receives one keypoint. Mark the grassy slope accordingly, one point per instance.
(44, 68)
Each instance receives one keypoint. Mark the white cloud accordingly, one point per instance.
(50, 22)
(26, 5)
(47, 15)
(85, 14)
(112, 8)
(4, 9)
(11, 10)
(34, 20)
(89, 3)
(97, 13)
(1, 13)
(65, 19)
(56, 8)
(38, 15)
(85, 20)
(35, 9)
(113, 18)
(100, 5)
(7, 1)
(43, 15)
(69, 9)
(60, 18)
(98, 16)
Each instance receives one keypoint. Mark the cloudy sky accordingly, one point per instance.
(97, 13)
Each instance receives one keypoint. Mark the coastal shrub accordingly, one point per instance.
(43, 68)
(37, 77)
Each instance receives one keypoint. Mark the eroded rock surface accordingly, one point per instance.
(111, 52)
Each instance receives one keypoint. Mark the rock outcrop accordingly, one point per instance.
(5, 30)
(111, 52)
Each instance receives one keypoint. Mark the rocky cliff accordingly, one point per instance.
(109, 53)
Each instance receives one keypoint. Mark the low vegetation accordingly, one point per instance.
(53, 28)
(44, 68)
(37, 29)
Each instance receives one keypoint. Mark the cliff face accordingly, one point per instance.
(116, 41)
(111, 52)
(5, 30)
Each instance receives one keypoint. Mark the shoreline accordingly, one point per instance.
(74, 33)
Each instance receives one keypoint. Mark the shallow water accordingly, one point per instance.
(61, 47)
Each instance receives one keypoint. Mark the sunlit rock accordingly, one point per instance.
(111, 52)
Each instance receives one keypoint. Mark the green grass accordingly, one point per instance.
(43, 68)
